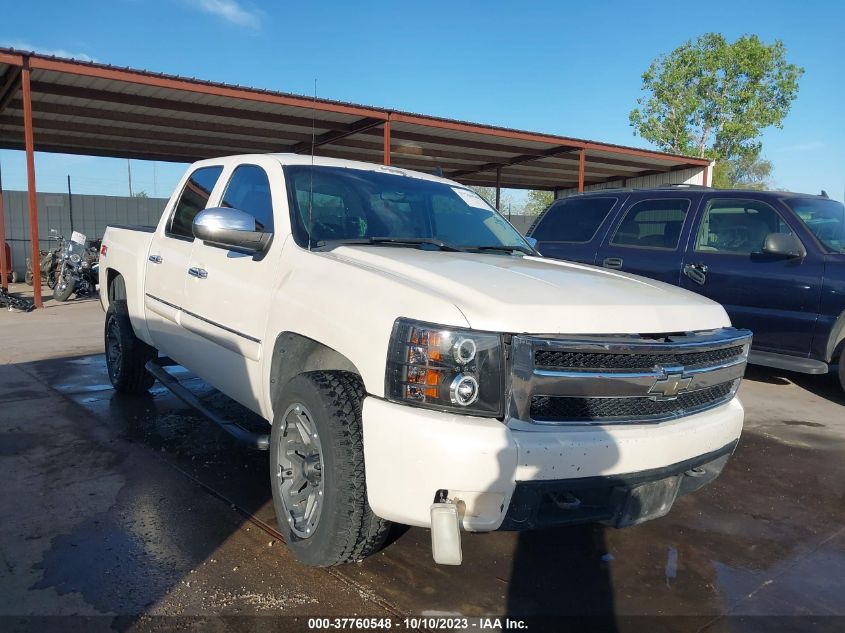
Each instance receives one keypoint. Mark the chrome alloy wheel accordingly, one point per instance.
(114, 353)
(300, 472)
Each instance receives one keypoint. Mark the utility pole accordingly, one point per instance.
(129, 171)
(70, 202)
(155, 184)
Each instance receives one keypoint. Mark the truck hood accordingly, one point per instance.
(537, 295)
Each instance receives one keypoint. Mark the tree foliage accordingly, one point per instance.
(489, 194)
(537, 201)
(748, 171)
(711, 98)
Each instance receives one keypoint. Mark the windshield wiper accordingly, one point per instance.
(395, 241)
(502, 248)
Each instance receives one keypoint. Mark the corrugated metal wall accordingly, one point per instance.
(91, 214)
(692, 176)
(522, 222)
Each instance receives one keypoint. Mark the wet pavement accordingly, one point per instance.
(137, 507)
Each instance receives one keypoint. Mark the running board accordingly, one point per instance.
(257, 441)
(789, 363)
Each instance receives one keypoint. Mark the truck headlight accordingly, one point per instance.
(442, 367)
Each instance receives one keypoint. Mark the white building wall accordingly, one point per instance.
(691, 176)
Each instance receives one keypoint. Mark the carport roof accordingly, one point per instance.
(101, 110)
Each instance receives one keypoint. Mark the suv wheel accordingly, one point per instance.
(317, 470)
(842, 370)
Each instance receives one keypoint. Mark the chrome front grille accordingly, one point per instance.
(624, 379)
(605, 361)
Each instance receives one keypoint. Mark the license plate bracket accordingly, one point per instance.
(649, 500)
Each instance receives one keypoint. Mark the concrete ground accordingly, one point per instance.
(127, 509)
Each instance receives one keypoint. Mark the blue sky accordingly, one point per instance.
(559, 67)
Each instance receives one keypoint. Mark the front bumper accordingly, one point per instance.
(489, 468)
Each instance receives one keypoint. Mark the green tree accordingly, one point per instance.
(140, 194)
(537, 201)
(711, 98)
(489, 194)
(748, 171)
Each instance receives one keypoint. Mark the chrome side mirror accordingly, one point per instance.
(784, 245)
(229, 228)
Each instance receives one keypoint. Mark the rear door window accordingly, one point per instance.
(192, 200)
(573, 220)
(652, 224)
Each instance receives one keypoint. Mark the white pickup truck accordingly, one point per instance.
(416, 359)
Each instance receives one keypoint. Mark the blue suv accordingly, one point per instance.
(775, 260)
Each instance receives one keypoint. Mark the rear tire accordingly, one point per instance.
(317, 456)
(126, 354)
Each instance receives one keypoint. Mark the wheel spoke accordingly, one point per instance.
(300, 470)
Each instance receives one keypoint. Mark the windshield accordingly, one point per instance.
(825, 218)
(377, 207)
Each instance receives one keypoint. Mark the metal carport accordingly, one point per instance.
(52, 104)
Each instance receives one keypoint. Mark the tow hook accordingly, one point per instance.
(445, 530)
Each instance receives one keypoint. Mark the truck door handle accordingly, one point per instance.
(199, 273)
(612, 262)
(696, 272)
(155, 259)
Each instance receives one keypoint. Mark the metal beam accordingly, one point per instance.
(4, 271)
(525, 158)
(498, 186)
(64, 111)
(226, 144)
(386, 149)
(239, 114)
(35, 252)
(581, 168)
(399, 149)
(336, 135)
(117, 148)
(9, 85)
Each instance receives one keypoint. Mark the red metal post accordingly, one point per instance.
(30, 178)
(387, 142)
(582, 157)
(498, 186)
(4, 271)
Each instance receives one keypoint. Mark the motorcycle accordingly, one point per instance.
(80, 268)
(50, 262)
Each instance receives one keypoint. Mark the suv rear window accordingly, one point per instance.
(652, 224)
(573, 220)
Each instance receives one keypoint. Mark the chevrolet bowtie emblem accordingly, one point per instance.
(670, 386)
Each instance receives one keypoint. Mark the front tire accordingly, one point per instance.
(126, 354)
(317, 471)
(64, 288)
